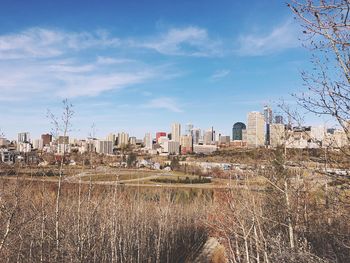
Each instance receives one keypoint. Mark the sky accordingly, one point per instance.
(138, 66)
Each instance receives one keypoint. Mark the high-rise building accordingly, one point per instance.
(279, 119)
(104, 147)
(123, 139)
(160, 134)
(188, 129)
(268, 120)
(176, 132)
(196, 135)
(213, 137)
(132, 140)
(111, 137)
(255, 129)
(172, 147)
(237, 131)
(148, 141)
(47, 139)
(186, 144)
(38, 144)
(23, 137)
(267, 114)
(208, 137)
(267, 133)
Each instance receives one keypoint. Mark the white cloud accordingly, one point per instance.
(46, 43)
(93, 85)
(110, 61)
(166, 103)
(71, 68)
(189, 41)
(51, 78)
(280, 38)
(48, 63)
(220, 74)
(49, 43)
(42, 63)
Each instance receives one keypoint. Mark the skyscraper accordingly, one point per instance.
(196, 135)
(148, 141)
(208, 137)
(237, 131)
(172, 147)
(189, 127)
(267, 114)
(123, 139)
(268, 120)
(111, 138)
(255, 129)
(38, 144)
(176, 132)
(104, 147)
(23, 137)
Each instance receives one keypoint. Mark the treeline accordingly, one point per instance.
(187, 180)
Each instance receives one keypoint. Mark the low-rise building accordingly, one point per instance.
(205, 149)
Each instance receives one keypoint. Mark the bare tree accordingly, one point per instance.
(326, 26)
(61, 127)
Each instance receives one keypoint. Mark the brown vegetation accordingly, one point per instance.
(102, 224)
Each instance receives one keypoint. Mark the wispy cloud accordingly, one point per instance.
(93, 85)
(220, 74)
(110, 61)
(166, 103)
(41, 62)
(188, 41)
(47, 43)
(278, 39)
(27, 79)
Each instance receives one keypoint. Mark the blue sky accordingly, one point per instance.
(138, 66)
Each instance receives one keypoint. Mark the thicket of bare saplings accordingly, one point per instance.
(292, 219)
(97, 224)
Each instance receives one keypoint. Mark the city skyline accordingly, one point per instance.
(182, 129)
(138, 67)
